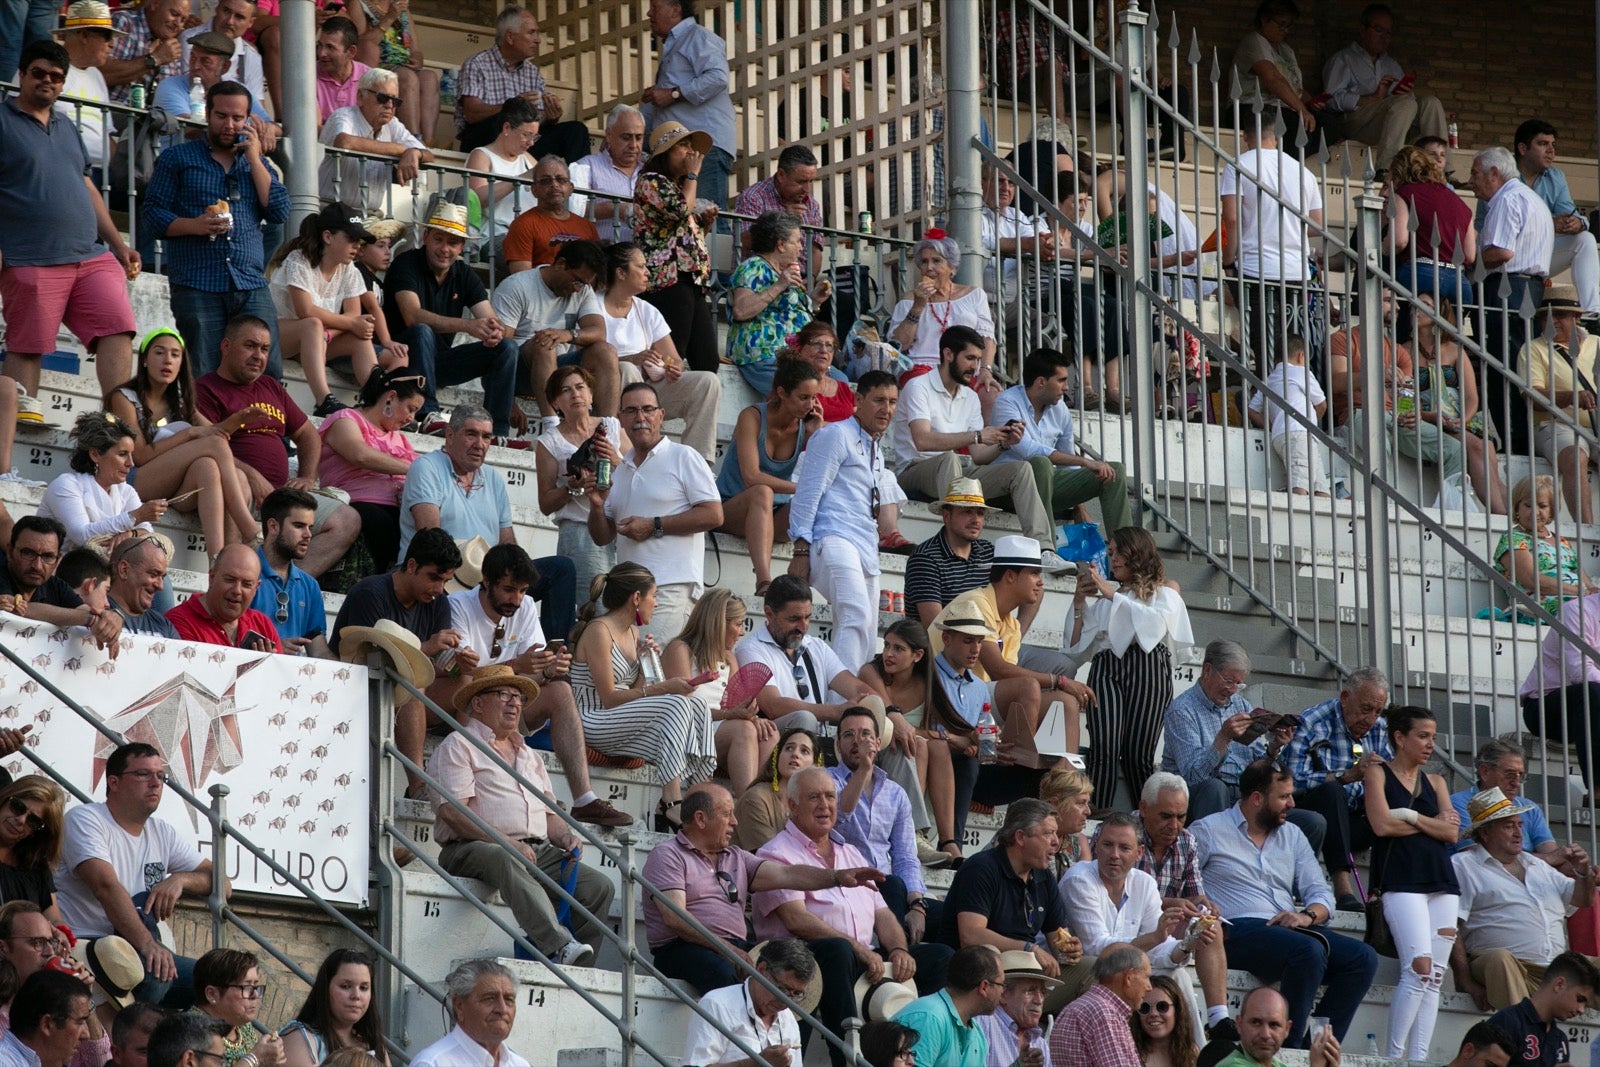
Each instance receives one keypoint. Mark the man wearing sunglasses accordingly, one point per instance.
(138, 569)
(73, 270)
(372, 126)
(123, 870)
(533, 238)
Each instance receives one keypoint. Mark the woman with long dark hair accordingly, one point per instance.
(338, 1013)
(30, 842)
(1127, 625)
(760, 809)
(1163, 1031)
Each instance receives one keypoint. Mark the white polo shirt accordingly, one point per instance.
(819, 664)
(924, 397)
(522, 630)
(671, 480)
(1527, 917)
(456, 1049)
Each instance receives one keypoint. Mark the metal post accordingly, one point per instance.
(963, 103)
(299, 116)
(852, 1039)
(1374, 437)
(388, 987)
(219, 861)
(1136, 273)
(629, 972)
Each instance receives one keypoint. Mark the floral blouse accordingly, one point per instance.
(394, 47)
(1559, 561)
(664, 227)
(762, 338)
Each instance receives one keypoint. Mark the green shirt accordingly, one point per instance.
(946, 1040)
(1241, 1058)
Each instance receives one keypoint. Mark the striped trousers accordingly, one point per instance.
(1132, 692)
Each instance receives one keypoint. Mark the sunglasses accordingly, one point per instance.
(18, 808)
(499, 636)
(1160, 1007)
(387, 98)
(731, 889)
(283, 605)
(55, 77)
(800, 682)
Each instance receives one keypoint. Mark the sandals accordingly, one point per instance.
(664, 823)
(894, 541)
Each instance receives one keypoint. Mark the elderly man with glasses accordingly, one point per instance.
(123, 870)
(370, 126)
(1501, 765)
(463, 779)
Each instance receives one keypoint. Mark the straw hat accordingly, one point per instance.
(1014, 550)
(880, 714)
(668, 134)
(494, 676)
(451, 219)
(89, 15)
(975, 627)
(104, 543)
(403, 648)
(883, 999)
(962, 493)
(1019, 964)
(384, 229)
(1561, 298)
(115, 964)
(470, 573)
(1487, 805)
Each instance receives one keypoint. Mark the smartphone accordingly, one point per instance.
(240, 141)
(703, 677)
(557, 645)
(255, 642)
(1322, 100)
(1404, 84)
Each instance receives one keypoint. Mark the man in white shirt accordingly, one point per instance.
(483, 1004)
(939, 414)
(1264, 196)
(1513, 906)
(661, 503)
(1110, 900)
(614, 169)
(370, 126)
(232, 19)
(123, 870)
(1373, 94)
(499, 621)
(749, 1012)
(556, 320)
(87, 32)
(805, 670)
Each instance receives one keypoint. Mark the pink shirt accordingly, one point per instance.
(332, 95)
(1561, 662)
(678, 864)
(465, 773)
(364, 485)
(849, 911)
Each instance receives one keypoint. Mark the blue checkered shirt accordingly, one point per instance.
(1323, 745)
(186, 181)
(136, 44)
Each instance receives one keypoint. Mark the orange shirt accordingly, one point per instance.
(535, 234)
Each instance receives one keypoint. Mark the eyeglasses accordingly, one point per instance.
(388, 99)
(283, 605)
(38, 944)
(56, 77)
(1160, 1007)
(1512, 776)
(249, 992)
(550, 179)
(146, 776)
(19, 808)
(39, 557)
(499, 636)
(507, 696)
(800, 682)
(220, 1057)
(647, 410)
(731, 889)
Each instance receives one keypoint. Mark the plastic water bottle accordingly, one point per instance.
(1372, 1048)
(447, 88)
(197, 97)
(988, 736)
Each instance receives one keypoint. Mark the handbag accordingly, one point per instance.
(1378, 934)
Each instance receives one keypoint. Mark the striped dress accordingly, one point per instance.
(673, 733)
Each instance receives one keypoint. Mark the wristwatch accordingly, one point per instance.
(150, 63)
(655, 526)
(676, 95)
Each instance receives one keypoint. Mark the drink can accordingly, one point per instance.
(136, 96)
(865, 220)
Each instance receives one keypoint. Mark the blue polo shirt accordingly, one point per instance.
(946, 1040)
(42, 166)
(1535, 828)
(299, 596)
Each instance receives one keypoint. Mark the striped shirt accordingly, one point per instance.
(934, 574)
(1518, 220)
(487, 77)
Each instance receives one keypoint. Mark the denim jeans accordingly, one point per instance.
(1299, 963)
(21, 23)
(713, 184)
(496, 366)
(704, 968)
(557, 595)
(203, 317)
(176, 995)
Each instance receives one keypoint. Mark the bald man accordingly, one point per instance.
(1263, 1029)
(222, 615)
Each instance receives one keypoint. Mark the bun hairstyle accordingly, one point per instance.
(610, 591)
(405, 382)
(1403, 718)
(97, 431)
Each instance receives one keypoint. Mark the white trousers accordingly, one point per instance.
(673, 604)
(840, 575)
(1415, 921)
(1577, 250)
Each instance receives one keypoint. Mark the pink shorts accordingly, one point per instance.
(90, 297)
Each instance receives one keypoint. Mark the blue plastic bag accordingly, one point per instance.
(1082, 542)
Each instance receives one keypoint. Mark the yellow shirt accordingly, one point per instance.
(979, 603)
(1548, 373)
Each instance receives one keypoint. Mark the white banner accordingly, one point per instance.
(286, 735)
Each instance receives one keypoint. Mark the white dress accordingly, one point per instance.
(937, 316)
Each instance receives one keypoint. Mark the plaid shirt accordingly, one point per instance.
(1323, 745)
(185, 182)
(763, 197)
(1031, 42)
(1179, 872)
(136, 45)
(1093, 1032)
(487, 77)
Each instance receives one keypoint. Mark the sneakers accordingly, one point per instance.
(327, 406)
(1052, 563)
(30, 409)
(1224, 1029)
(573, 954)
(600, 813)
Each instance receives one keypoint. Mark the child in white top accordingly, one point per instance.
(1304, 458)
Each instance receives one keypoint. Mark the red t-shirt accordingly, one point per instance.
(260, 442)
(194, 623)
(534, 236)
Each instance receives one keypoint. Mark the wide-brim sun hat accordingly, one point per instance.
(493, 676)
(401, 646)
(668, 134)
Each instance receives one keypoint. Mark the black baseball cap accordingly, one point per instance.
(342, 218)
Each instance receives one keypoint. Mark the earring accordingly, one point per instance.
(388, 409)
(638, 617)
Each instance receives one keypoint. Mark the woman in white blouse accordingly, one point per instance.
(936, 304)
(1127, 628)
(570, 393)
(95, 500)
